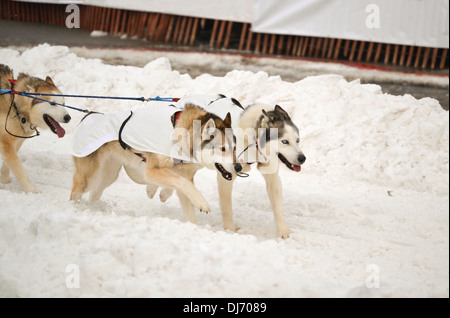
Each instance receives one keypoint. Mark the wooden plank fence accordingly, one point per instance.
(225, 35)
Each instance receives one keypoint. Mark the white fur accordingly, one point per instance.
(45, 108)
(268, 165)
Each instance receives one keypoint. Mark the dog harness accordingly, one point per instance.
(146, 130)
(22, 119)
(218, 105)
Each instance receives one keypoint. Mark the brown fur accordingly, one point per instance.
(257, 117)
(22, 124)
(100, 169)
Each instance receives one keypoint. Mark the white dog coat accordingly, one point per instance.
(147, 130)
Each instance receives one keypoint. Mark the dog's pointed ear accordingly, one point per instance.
(270, 117)
(227, 121)
(49, 80)
(208, 129)
(280, 111)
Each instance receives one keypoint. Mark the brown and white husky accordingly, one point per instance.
(134, 140)
(21, 116)
(267, 137)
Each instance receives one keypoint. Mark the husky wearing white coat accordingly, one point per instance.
(142, 142)
(267, 137)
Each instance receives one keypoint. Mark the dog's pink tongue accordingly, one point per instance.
(297, 168)
(59, 130)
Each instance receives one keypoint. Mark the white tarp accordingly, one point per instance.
(230, 10)
(408, 22)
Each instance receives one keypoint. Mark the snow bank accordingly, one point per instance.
(348, 130)
(194, 62)
(373, 193)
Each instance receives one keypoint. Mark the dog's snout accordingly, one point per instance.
(301, 158)
(67, 118)
(238, 167)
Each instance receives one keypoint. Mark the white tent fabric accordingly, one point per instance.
(406, 22)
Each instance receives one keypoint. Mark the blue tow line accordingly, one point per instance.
(33, 95)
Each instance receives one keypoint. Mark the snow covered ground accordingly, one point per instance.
(368, 213)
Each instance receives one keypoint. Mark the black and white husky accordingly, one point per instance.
(266, 136)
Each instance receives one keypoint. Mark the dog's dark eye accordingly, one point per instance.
(285, 141)
(298, 140)
(223, 149)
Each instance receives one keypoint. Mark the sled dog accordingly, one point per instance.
(266, 136)
(21, 116)
(142, 142)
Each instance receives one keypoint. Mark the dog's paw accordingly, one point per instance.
(165, 194)
(203, 206)
(32, 190)
(284, 234)
(231, 227)
(5, 180)
(151, 190)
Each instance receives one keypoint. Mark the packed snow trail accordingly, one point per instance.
(368, 213)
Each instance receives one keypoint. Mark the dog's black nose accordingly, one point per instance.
(238, 167)
(301, 158)
(67, 118)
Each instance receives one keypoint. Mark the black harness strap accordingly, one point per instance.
(22, 119)
(122, 143)
(175, 117)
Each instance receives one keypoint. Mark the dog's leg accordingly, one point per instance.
(5, 169)
(78, 188)
(80, 180)
(169, 179)
(137, 174)
(151, 190)
(165, 194)
(273, 186)
(104, 177)
(188, 207)
(186, 204)
(12, 162)
(5, 174)
(225, 188)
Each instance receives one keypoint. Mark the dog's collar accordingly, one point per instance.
(254, 144)
(22, 119)
(12, 82)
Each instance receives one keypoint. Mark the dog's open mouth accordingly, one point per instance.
(291, 166)
(225, 174)
(55, 127)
